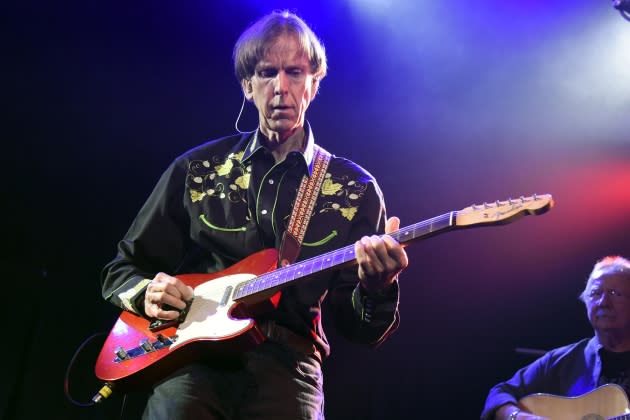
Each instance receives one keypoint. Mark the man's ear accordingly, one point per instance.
(315, 87)
(248, 89)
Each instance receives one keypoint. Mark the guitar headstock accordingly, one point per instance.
(502, 212)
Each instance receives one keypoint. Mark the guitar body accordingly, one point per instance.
(215, 326)
(602, 403)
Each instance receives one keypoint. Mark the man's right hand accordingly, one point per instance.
(166, 290)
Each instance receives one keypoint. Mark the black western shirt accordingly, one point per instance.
(226, 199)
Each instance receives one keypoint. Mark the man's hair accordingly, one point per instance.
(608, 265)
(254, 42)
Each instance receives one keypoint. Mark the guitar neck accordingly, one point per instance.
(339, 258)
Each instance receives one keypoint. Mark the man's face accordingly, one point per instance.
(608, 302)
(282, 88)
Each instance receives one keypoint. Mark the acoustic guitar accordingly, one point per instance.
(220, 319)
(608, 402)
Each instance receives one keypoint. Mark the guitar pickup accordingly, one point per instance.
(160, 324)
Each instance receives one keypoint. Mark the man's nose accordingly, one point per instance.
(281, 83)
(605, 298)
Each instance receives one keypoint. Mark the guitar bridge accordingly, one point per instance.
(146, 346)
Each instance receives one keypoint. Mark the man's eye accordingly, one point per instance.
(267, 73)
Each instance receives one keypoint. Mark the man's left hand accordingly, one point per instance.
(380, 259)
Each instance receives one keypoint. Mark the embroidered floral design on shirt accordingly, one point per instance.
(219, 178)
(329, 187)
(243, 181)
(349, 213)
(225, 168)
(342, 194)
(196, 195)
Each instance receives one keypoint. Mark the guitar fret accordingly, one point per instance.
(304, 268)
(248, 288)
(337, 257)
(327, 261)
(289, 274)
(275, 278)
(262, 281)
(318, 264)
(349, 255)
(256, 285)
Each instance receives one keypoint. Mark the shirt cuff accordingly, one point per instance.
(129, 294)
(375, 309)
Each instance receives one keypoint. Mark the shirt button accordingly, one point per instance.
(271, 181)
(263, 212)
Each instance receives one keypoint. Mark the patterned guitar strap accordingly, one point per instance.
(303, 208)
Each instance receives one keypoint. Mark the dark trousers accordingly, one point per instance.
(270, 382)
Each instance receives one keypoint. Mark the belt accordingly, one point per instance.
(279, 334)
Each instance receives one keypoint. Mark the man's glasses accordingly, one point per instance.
(596, 294)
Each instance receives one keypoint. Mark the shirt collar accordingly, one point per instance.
(254, 145)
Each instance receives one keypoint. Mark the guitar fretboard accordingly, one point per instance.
(338, 258)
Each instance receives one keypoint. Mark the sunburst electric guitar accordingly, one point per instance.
(608, 402)
(219, 320)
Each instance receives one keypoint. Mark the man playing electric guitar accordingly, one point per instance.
(229, 198)
(578, 368)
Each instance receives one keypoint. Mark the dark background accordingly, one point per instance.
(447, 104)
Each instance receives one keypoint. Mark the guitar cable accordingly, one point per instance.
(103, 393)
